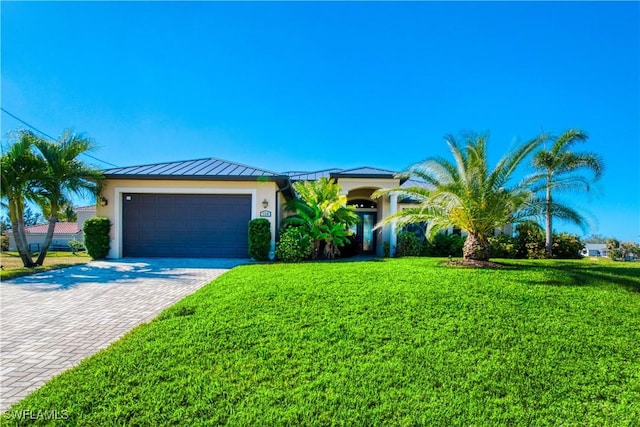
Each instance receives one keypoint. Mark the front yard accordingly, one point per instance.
(12, 264)
(388, 342)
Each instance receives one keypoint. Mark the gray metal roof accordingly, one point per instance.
(365, 172)
(210, 168)
(311, 176)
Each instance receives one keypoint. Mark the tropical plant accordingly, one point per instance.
(556, 167)
(323, 212)
(64, 175)
(47, 173)
(20, 170)
(467, 194)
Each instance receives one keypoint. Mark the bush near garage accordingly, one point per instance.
(259, 239)
(96, 236)
(294, 245)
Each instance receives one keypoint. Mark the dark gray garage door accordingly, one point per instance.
(185, 225)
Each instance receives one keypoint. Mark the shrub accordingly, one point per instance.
(4, 242)
(75, 246)
(259, 239)
(503, 246)
(530, 242)
(567, 246)
(408, 244)
(350, 249)
(445, 245)
(96, 236)
(294, 245)
(386, 249)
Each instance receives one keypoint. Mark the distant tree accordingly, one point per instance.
(468, 194)
(31, 217)
(595, 238)
(556, 167)
(613, 248)
(629, 249)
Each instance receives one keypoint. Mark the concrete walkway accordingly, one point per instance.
(50, 321)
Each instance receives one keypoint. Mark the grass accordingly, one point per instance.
(12, 264)
(395, 342)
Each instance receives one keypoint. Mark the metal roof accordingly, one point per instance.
(365, 172)
(210, 168)
(311, 176)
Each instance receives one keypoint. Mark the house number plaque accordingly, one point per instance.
(265, 214)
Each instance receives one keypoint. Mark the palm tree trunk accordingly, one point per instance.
(476, 248)
(548, 242)
(16, 214)
(48, 238)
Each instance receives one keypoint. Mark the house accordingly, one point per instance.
(201, 208)
(595, 249)
(63, 233)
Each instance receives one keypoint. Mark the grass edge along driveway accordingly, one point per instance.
(390, 342)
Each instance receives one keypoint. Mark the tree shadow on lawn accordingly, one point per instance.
(121, 273)
(588, 274)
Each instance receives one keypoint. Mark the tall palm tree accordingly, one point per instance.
(20, 170)
(557, 167)
(322, 211)
(64, 175)
(467, 194)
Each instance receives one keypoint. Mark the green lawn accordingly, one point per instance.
(12, 263)
(394, 342)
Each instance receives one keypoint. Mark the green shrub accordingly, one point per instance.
(445, 245)
(503, 246)
(567, 246)
(75, 246)
(386, 249)
(408, 244)
(530, 242)
(4, 242)
(294, 245)
(259, 239)
(96, 236)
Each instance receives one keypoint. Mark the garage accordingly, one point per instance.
(185, 225)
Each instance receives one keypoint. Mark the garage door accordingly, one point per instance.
(185, 225)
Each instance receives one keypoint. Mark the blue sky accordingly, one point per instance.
(301, 85)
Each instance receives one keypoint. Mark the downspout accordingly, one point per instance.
(286, 187)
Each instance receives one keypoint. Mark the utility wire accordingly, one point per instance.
(50, 137)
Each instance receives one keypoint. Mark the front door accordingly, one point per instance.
(364, 233)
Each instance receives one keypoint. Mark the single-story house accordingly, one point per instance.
(595, 249)
(201, 208)
(63, 233)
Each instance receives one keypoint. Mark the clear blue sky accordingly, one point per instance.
(300, 85)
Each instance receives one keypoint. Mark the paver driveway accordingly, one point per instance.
(50, 321)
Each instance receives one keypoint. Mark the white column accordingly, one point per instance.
(393, 208)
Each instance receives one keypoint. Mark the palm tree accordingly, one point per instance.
(467, 194)
(322, 211)
(64, 175)
(21, 169)
(556, 167)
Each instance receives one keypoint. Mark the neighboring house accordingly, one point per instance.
(595, 249)
(201, 208)
(63, 233)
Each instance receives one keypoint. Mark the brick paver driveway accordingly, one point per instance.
(50, 321)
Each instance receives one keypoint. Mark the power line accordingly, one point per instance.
(50, 137)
